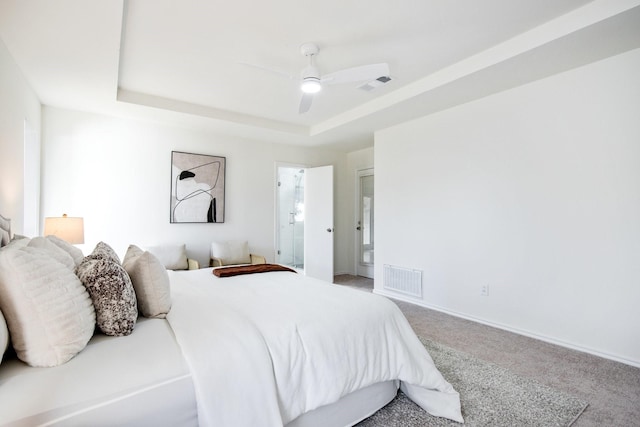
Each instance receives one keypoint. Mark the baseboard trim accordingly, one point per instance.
(545, 338)
(337, 273)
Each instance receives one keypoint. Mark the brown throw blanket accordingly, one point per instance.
(249, 269)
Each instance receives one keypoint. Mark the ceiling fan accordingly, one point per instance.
(311, 81)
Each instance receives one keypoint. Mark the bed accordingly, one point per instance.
(266, 349)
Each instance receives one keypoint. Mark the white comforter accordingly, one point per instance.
(266, 348)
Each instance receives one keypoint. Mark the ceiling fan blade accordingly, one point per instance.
(276, 71)
(305, 102)
(357, 74)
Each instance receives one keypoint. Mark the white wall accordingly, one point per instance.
(115, 173)
(17, 103)
(534, 191)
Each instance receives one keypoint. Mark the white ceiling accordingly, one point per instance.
(184, 61)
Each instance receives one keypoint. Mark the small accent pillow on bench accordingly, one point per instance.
(172, 257)
(232, 252)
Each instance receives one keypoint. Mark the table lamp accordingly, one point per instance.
(69, 229)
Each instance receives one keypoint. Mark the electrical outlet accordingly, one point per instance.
(484, 290)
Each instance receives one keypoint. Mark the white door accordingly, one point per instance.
(365, 224)
(318, 228)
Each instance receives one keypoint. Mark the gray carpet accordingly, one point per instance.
(490, 396)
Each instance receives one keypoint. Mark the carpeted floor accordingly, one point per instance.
(612, 389)
(489, 394)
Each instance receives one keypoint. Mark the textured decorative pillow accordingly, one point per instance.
(75, 253)
(231, 252)
(112, 294)
(104, 251)
(48, 311)
(4, 336)
(54, 251)
(150, 281)
(173, 257)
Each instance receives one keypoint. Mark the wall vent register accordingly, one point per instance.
(403, 280)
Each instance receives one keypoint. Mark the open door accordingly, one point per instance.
(318, 229)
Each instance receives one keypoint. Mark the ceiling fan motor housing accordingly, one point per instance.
(310, 75)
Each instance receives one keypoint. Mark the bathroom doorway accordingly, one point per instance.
(290, 216)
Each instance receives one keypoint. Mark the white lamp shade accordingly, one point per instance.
(69, 229)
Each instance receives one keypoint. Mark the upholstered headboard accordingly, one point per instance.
(5, 231)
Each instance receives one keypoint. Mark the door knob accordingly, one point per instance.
(358, 228)
(329, 230)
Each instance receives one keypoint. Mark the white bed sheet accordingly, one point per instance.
(250, 368)
(140, 379)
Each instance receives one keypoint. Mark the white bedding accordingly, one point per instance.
(250, 368)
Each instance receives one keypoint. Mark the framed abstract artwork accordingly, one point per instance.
(197, 187)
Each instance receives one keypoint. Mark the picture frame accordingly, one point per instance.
(197, 188)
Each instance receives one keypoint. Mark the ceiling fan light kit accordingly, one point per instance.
(311, 85)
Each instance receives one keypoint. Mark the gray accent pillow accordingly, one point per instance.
(111, 291)
(150, 281)
(104, 251)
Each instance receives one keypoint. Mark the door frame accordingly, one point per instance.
(361, 270)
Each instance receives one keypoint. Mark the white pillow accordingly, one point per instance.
(150, 281)
(75, 253)
(231, 252)
(16, 244)
(48, 311)
(54, 251)
(173, 257)
(4, 336)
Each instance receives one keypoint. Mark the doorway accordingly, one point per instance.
(290, 216)
(365, 242)
(304, 219)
